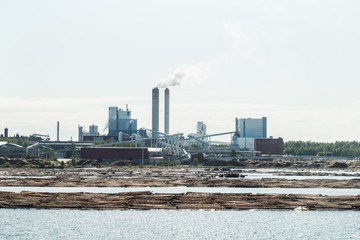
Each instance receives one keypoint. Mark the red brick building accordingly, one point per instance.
(269, 145)
(115, 153)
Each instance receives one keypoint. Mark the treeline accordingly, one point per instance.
(336, 149)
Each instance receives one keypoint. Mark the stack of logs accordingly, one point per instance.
(195, 201)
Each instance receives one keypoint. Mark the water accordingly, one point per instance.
(323, 191)
(162, 224)
(299, 170)
(271, 173)
(296, 177)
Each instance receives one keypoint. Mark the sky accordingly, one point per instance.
(294, 62)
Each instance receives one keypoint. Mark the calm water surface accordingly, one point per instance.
(162, 224)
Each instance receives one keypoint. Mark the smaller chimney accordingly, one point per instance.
(58, 131)
(80, 133)
(167, 110)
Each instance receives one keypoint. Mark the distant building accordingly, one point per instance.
(201, 128)
(99, 138)
(199, 135)
(93, 131)
(269, 146)
(121, 121)
(12, 150)
(247, 130)
(251, 127)
(113, 154)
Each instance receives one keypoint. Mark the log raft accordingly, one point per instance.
(192, 201)
(175, 182)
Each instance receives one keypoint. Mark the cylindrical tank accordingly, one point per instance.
(167, 110)
(6, 132)
(155, 109)
(120, 136)
(138, 138)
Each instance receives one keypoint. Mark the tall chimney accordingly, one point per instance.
(167, 109)
(80, 133)
(58, 131)
(155, 110)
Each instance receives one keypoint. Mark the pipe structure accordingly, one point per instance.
(155, 110)
(167, 110)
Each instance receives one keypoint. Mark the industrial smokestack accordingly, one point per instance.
(155, 109)
(80, 134)
(58, 131)
(167, 109)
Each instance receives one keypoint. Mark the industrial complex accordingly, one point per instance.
(125, 140)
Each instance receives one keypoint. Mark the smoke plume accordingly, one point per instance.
(172, 80)
(188, 74)
(106, 127)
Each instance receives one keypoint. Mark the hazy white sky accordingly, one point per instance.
(295, 62)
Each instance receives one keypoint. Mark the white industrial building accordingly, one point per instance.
(93, 131)
(201, 128)
(121, 121)
(247, 129)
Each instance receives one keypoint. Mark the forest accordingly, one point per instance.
(309, 148)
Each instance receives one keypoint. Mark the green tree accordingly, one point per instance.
(73, 162)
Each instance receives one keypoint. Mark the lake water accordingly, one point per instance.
(162, 224)
(296, 177)
(323, 191)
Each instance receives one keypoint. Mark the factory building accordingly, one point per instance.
(251, 134)
(269, 145)
(201, 128)
(93, 131)
(120, 121)
(247, 130)
(251, 127)
(112, 154)
(200, 133)
(12, 150)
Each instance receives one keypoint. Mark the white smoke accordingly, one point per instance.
(105, 128)
(188, 74)
(172, 80)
